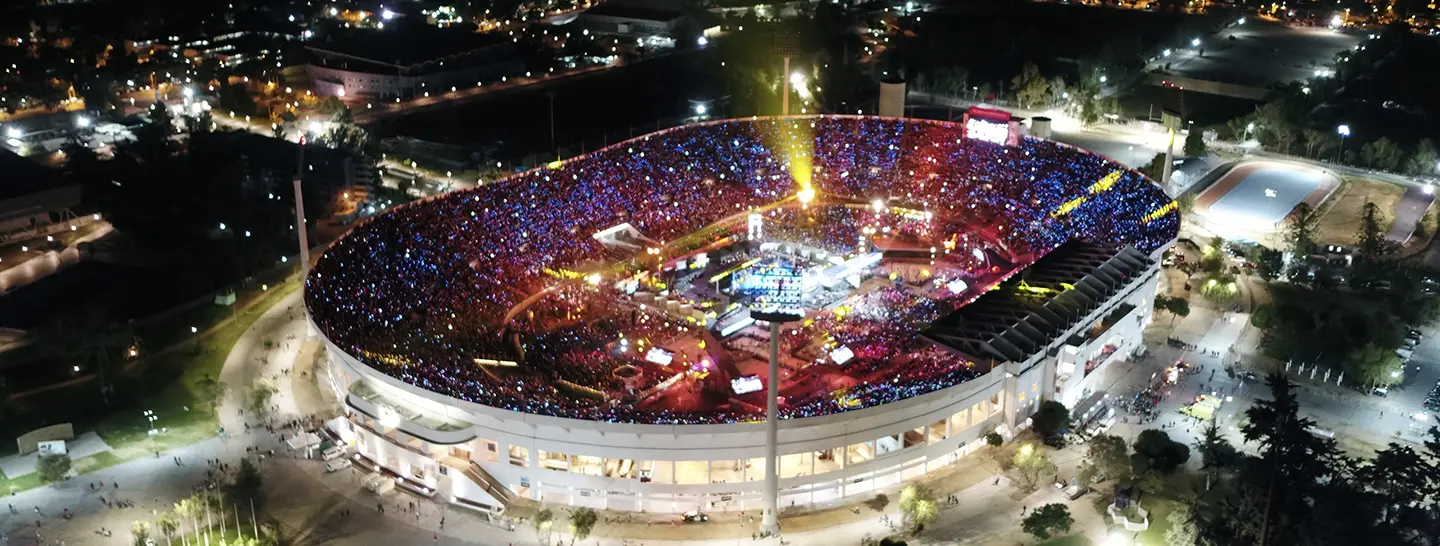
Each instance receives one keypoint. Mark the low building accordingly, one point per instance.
(34, 200)
(408, 62)
(633, 20)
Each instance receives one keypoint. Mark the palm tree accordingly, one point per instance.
(141, 531)
(190, 508)
(167, 523)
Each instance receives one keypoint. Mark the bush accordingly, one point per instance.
(53, 468)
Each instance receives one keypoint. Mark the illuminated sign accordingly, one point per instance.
(745, 384)
(660, 356)
(988, 131)
(842, 355)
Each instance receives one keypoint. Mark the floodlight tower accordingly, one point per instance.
(777, 316)
(786, 43)
(1170, 119)
(300, 211)
(777, 313)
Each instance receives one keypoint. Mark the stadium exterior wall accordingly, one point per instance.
(950, 423)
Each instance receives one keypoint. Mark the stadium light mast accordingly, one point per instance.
(777, 317)
(1170, 119)
(783, 307)
(300, 213)
(785, 45)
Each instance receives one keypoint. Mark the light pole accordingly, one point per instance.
(551, 94)
(300, 212)
(1344, 131)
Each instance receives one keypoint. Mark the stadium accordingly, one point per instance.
(591, 333)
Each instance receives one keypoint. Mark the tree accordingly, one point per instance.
(1050, 419)
(1374, 366)
(1048, 519)
(1155, 169)
(1215, 452)
(245, 486)
(260, 394)
(1186, 203)
(1373, 249)
(994, 439)
(1296, 466)
(544, 525)
(1178, 307)
(211, 390)
(1155, 450)
(1182, 531)
(1402, 476)
(53, 468)
(917, 506)
(140, 532)
(1316, 142)
(1381, 153)
(1422, 161)
(1269, 263)
(1030, 86)
(1108, 454)
(1300, 231)
(1030, 464)
(582, 521)
(1195, 143)
(1149, 482)
(168, 523)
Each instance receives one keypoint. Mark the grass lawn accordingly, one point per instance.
(82, 465)
(1159, 508)
(1340, 222)
(181, 408)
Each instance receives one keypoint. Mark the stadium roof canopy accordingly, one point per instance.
(1029, 312)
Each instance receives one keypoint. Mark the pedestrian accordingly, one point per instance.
(116, 484)
(1022, 510)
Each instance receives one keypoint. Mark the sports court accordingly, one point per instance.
(1254, 198)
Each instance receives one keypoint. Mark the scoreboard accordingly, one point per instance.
(991, 125)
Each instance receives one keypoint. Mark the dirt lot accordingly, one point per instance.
(1340, 217)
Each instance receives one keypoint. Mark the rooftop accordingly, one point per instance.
(24, 177)
(634, 12)
(407, 45)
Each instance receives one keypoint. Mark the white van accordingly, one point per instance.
(332, 453)
(338, 465)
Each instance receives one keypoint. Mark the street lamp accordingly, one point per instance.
(1344, 131)
(1194, 42)
(82, 122)
(700, 109)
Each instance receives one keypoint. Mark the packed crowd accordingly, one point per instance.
(422, 291)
